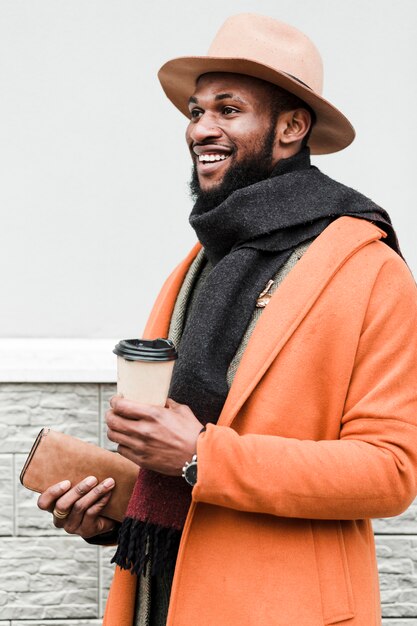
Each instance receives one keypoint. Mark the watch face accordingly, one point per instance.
(191, 474)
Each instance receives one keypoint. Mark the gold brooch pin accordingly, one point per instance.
(264, 297)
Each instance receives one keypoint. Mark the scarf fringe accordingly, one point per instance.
(142, 544)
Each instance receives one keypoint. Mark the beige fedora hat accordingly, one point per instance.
(265, 48)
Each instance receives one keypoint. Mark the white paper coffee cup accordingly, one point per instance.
(144, 369)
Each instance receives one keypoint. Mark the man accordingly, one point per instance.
(293, 417)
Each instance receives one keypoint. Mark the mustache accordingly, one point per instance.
(241, 172)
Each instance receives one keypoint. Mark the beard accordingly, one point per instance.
(248, 171)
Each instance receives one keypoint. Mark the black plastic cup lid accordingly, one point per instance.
(146, 350)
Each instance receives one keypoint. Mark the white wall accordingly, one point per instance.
(93, 196)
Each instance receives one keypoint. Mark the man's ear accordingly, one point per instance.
(293, 126)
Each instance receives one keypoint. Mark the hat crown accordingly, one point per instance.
(272, 51)
(270, 42)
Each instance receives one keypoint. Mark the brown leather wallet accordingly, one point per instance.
(56, 456)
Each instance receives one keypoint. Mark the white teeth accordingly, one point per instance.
(209, 158)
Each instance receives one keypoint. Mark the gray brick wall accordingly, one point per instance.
(48, 578)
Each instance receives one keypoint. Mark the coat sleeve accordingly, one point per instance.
(371, 471)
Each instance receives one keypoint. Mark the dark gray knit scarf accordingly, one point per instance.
(247, 239)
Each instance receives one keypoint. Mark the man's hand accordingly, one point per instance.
(158, 438)
(77, 510)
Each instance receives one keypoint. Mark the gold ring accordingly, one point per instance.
(59, 514)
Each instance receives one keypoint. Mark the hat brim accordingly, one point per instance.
(331, 132)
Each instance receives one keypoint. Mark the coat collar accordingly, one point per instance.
(290, 303)
(160, 317)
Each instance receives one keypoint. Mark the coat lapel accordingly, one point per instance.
(292, 301)
(289, 304)
(160, 317)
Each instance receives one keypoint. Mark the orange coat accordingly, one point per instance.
(317, 436)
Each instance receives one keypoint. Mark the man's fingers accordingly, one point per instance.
(133, 410)
(73, 511)
(47, 499)
(96, 509)
(96, 523)
(133, 440)
(84, 494)
(97, 495)
(121, 424)
(77, 492)
(63, 505)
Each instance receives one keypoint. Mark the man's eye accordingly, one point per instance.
(229, 110)
(195, 113)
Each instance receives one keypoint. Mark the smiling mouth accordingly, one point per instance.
(211, 158)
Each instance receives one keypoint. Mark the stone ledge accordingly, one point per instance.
(398, 621)
(60, 622)
(57, 360)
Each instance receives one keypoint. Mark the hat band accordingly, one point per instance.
(298, 80)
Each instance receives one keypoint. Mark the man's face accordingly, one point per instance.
(231, 131)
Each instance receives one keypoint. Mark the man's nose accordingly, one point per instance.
(205, 128)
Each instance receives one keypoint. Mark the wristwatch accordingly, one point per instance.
(189, 471)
